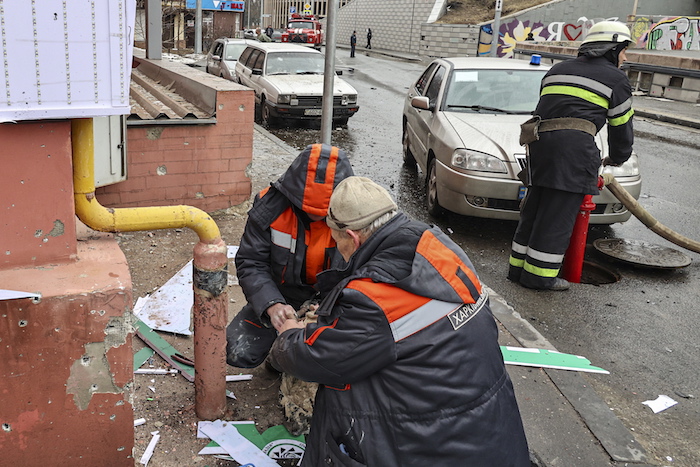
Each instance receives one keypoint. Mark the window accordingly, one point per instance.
(434, 87)
(259, 60)
(244, 56)
(423, 80)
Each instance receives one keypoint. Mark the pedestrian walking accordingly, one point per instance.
(369, 39)
(577, 98)
(353, 43)
(405, 348)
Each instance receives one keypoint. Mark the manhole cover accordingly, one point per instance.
(641, 253)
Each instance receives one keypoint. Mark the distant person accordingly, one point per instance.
(405, 348)
(261, 36)
(353, 43)
(530, 37)
(369, 39)
(578, 97)
(269, 32)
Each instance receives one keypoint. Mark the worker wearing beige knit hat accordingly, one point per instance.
(404, 344)
(358, 206)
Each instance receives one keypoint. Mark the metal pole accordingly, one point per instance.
(154, 30)
(261, 14)
(198, 28)
(634, 9)
(329, 74)
(496, 27)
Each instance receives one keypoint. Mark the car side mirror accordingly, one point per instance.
(216, 58)
(421, 102)
(256, 71)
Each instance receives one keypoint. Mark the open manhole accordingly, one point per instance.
(596, 274)
(642, 254)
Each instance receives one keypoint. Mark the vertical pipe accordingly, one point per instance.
(329, 74)
(198, 28)
(496, 27)
(210, 277)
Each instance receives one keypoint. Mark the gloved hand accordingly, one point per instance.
(607, 161)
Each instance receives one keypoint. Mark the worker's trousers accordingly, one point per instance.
(547, 219)
(248, 341)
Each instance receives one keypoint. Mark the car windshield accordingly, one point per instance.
(509, 91)
(233, 51)
(301, 25)
(294, 63)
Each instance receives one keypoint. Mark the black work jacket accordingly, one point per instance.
(592, 89)
(407, 351)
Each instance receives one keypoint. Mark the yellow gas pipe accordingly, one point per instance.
(209, 273)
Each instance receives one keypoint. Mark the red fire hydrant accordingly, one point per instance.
(573, 259)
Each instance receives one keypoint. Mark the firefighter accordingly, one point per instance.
(577, 98)
(284, 245)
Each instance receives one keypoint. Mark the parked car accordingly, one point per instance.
(461, 125)
(288, 83)
(250, 34)
(223, 55)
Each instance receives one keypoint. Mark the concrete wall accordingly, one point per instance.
(36, 194)
(66, 375)
(406, 25)
(395, 24)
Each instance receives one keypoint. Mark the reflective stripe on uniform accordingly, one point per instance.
(542, 272)
(623, 108)
(283, 240)
(518, 248)
(579, 81)
(621, 120)
(544, 257)
(589, 96)
(517, 262)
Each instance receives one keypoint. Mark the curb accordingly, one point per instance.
(613, 435)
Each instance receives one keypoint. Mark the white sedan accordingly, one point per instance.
(461, 125)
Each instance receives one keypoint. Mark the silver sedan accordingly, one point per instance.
(461, 125)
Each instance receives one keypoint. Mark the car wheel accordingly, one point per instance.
(258, 111)
(434, 208)
(266, 117)
(408, 160)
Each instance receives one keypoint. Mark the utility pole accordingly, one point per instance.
(329, 74)
(634, 10)
(198, 28)
(496, 27)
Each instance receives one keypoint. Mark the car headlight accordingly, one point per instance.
(348, 99)
(284, 98)
(628, 169)
(473, 160)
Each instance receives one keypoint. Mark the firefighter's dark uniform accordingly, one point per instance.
(282, 249)
(564, 163)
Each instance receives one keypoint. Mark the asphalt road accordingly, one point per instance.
(642, 328)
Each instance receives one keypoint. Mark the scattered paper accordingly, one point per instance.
(139, 421)
(15, 294)
(151, 447)
(230, 394)
(155, 371)
(236, 445)
(525, 356)
(169, 308)
(662, 402)
(238, 377)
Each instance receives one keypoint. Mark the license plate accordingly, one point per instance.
(521, 192)
(313, 112)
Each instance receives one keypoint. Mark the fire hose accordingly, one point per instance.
(647, 219)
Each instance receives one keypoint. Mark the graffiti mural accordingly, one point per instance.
(517, 31)
(677, 33)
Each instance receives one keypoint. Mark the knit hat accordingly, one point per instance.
(356, 202)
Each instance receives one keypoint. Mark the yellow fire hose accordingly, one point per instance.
(647, 219)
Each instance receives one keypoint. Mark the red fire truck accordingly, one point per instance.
(304, 30)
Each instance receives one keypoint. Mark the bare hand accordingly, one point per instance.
(290, 324)
(279, 313)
